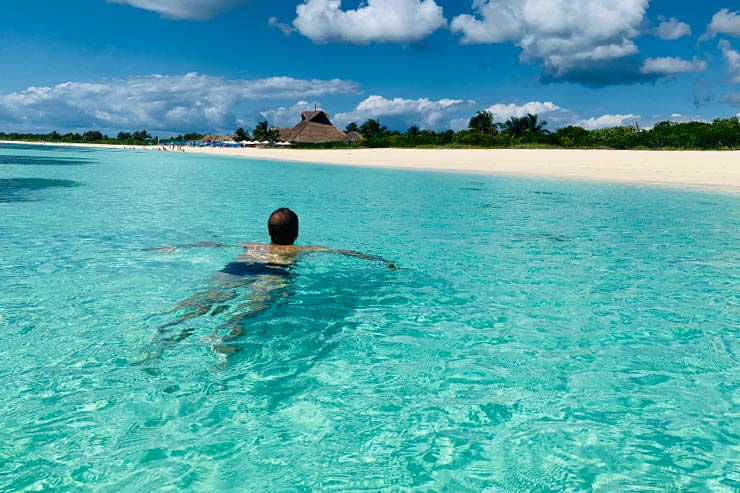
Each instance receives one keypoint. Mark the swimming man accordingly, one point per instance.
(264, 268)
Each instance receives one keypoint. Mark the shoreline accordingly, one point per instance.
(717, 170)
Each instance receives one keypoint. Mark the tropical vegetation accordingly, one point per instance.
(263, 132)
(483, 131)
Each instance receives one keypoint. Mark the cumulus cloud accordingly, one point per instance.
(724, 22)
(672, 66)
(679, 118)
(554, 113)
(379, 21)
(402, 113)
(155, 102)
(558, 117)
(288, 116)
(569, 37)
(732, 57)
(183, 9)
(605, 121)
(672, 28)
(630, 120)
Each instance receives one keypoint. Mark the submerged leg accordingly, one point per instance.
(199, 304)
(214, 301)
(260, 300)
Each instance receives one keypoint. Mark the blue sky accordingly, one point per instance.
(210, 65)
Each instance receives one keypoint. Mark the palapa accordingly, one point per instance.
(315, 128)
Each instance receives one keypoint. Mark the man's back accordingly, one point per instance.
(271, 254)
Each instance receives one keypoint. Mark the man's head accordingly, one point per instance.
(283, 227)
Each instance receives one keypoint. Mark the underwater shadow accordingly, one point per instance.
(273, 330)
(42, 161)
(20, 189)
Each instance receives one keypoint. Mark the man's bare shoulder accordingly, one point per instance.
(283, 248)
(247, 244)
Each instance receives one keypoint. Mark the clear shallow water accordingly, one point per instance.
(542, 335)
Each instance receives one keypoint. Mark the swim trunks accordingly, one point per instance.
(242, 269)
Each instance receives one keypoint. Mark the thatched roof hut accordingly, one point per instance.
(352, 137)
(315, 128)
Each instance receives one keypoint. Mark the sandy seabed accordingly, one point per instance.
(704, 169)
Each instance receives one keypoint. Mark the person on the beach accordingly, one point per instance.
(263, 267)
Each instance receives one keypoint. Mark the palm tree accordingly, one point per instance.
(526, 125)
(142, 136)
(482, 123)
(241, 134)
(263, 132)
(373, 129)
(531, 125)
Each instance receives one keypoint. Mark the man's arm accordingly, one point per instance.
(365, 256)
(351, 253)
(172, 248)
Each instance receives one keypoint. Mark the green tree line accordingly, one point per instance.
(530, 131)
(483, 131)
(141, 137)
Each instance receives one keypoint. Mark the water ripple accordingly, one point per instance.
(566, 337)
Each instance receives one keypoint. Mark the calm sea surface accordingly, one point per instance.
(541, 335)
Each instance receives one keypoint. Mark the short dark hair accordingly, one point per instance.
(283, 227)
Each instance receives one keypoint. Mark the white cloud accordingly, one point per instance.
(380, 21)
(402, 113)
(605, 121)
(288, 116)
(282, 27)
(679, 118)
(672, 28)
(672, 66)
(558, 117)
(155, 102)
(183, 9)
(502, 112)
(732, 57)
(458, 124)
(724, 22)
(564, 35)
(399, 114)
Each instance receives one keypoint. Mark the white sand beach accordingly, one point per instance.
(704, 169)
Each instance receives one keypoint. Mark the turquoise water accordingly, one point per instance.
(542, 335)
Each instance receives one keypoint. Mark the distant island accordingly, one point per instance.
(315, 131)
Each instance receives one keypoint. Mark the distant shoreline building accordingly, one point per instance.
(315, 127)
